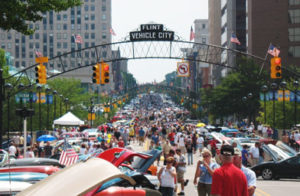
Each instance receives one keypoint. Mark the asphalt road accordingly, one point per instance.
(283, 187)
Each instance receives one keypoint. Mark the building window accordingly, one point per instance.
(8, 36)
(58, 45)
(23, 64)
(30, 36)
(30, 54)
(86, 44)
(37, 45)
(65, 27)
(37, 36)
(92, 16)
(86, 26)
(9, 45)
(37, 27)
(203, 40)
(92, 26)
(294, 34)
(103, 26)
(294, 16)
(92, 35)
(78, 27)
(58, 26)
(103, 8)
(103, 16)
(3, 45)
(86, 8)
(58, 36)
(65, 45)
(294, 2)
(65, 17)
(2, 36)
(17, 64)
(86, 17)
(72, 26)
(294, 51)
(203, 26)
(87, 54)
(45, 27)
(86, 35)
(103, 35)
(58, 17)
(30, 45)
(65, 36)
(92, 7)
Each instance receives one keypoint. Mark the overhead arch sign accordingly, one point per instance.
(151, 32)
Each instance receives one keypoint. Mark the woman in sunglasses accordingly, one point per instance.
(205, 171)
(166, 177)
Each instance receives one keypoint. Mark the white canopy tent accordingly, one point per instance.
(68, 119)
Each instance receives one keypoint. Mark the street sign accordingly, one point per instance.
(151, 32)
(183, 69)
(25, 97)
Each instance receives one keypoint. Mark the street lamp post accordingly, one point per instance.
(8, 88)
(48, 90)
(20, 87)
(54, 104)
(91, 112)
(296, 85)
(264, 89)
(31, 107)
(66, 102)
(60, 105)
(39, 88)
(274, 88)
(283, 86)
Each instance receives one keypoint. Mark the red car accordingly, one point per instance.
(38, 169)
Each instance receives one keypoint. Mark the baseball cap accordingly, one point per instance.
(227, 150)
(237, 152)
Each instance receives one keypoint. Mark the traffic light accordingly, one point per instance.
(104, 73)
(276, 68)
(41, 74)
(96, 74)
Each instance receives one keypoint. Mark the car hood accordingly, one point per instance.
(77, 179)
(117, 156)
(142, 165)
(34, 161)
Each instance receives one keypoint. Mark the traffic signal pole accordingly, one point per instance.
(1, 105)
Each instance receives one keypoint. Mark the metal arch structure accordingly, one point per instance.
(128, 50)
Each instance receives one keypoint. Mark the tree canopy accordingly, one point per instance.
(17, 14)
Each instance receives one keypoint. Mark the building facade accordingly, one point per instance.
(54, 35)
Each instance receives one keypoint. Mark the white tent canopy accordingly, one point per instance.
(68, 119)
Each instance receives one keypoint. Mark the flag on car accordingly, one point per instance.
(234, 39)
(112, 32)
(68, 157)
(78, 39)
(273, 50)
(192, 34)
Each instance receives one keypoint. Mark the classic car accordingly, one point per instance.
(38, 168)
(30, 177)
(84, 178)
(278, 164)
(12, 187)
(3, 157)
(34, 161)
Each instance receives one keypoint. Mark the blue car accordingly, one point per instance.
(30, 177)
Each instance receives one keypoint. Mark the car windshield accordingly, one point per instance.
(278, 153)
(285, 148)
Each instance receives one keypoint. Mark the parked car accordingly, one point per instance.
(84, 178)
(3, 157)
(278, 164)
(31, 177)
(12, 187)
(39, 169)
(34, 161)
(91, 134)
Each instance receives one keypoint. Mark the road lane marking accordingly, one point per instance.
(261, 192)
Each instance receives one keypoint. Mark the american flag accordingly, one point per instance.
(234, 39)
(78, 39)
(38, 54)
(112, 32)
(273, 50)
(192, 34)
(68, 157)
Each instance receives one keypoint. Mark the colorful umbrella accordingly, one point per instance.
(200, 125)
(46, 138)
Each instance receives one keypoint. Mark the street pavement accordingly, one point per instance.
(287, 187)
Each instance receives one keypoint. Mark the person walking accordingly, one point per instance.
(167, 178)
(250, 175)
(204, 171)
(181, 169)
(254, 154)
(228, 180)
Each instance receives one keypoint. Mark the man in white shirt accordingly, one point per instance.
(200, 142)
(254, 153)
(12, 150)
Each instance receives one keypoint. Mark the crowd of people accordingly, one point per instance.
(160, 125)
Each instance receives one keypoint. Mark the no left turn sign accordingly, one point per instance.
(183, 69)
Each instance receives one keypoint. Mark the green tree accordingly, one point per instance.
(17, 14)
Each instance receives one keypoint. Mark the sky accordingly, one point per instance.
(176, 15)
